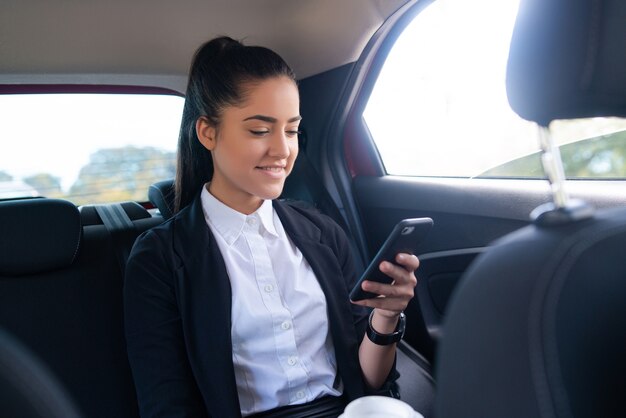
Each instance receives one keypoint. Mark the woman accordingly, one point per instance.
(238, 305)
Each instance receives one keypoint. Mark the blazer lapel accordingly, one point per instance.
(323, 260)
(205, 301)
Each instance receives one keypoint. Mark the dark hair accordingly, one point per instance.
(219, 72)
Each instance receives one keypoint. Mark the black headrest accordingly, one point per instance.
(161, 195)
(568, 60)
(38, 235)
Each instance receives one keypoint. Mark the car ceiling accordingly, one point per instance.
(151, 42)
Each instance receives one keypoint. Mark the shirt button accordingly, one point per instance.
(251, 221)
(299, 394)
(292, 360)
(268, 288)
(285, 325)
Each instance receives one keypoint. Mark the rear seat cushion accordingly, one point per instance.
(24, 249)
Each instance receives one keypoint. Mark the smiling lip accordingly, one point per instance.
(272, 171)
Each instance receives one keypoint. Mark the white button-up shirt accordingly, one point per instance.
(282, 350)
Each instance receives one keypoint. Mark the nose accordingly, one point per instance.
(279, 145)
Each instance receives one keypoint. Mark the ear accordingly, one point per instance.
(206, 132)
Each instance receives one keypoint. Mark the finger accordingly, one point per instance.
(389, 290)
(388, 304)
(409, 261)
(399, 274)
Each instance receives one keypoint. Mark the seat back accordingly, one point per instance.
(537, 326)
(27, 388)
(161, 195)
(61, 295)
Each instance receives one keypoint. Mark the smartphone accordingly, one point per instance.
(404, 238)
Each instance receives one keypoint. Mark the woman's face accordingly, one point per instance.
(255, 145)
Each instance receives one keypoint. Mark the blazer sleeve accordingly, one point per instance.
(163, 378)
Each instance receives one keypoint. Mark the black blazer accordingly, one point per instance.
(177, 301)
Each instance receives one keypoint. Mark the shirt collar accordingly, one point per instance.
(228, 222)
(267, 216)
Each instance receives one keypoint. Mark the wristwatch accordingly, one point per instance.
(386, 339)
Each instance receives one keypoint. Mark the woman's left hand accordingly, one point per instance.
(394, 297)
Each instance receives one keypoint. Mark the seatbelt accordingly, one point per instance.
(121, 229)
(320, 196)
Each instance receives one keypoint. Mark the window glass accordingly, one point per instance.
(439, 106)
(87, 148)
(596, 157)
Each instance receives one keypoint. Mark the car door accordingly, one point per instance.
(383, 159)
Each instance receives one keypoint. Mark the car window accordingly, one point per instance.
(601, 157)
(87, 148)
(439, 106)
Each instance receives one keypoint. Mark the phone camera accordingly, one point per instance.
(407, 230)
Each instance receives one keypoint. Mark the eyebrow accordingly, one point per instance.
(270, 119)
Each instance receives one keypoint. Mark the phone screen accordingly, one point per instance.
(404, 238)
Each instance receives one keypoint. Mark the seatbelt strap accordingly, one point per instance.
(320, 195)
(121, 229)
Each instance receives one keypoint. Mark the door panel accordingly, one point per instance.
(438, 275)
(468, 215)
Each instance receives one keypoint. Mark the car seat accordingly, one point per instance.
(61, 281)
(537, 326)
(161, 195)
(27, 388)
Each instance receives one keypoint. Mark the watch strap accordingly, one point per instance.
(386, 339)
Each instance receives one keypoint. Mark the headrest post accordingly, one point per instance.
(563, 209)
(553, 167)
